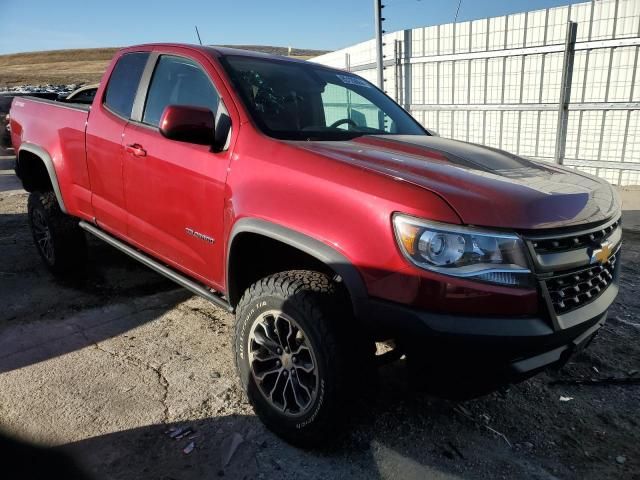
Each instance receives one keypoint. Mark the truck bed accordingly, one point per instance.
(56, 131)
(41, 121)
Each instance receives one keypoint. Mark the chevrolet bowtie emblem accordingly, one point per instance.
(602, 254)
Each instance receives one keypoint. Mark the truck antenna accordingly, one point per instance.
(198, 34)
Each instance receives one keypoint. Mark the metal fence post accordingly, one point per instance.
(396, 68)
(565, 91)
(377, 5)
(406, 59)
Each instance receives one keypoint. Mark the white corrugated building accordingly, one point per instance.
(497, 81)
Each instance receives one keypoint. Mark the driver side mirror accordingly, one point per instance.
(191, 124)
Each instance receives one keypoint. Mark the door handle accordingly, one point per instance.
(136, 150)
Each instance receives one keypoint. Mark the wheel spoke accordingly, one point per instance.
(305, 368)
(299, 388)
(301, 349)
(264, 355)
(262, 339)
(269, 329)
(279, 389)
(42, 235)
(283, 330)
(292, 338)
(267, 371)
(305, 360)
(287, 385)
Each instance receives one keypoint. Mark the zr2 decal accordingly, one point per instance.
(200, 236)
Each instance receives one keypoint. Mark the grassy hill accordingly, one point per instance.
(54, 67)
(86, 65)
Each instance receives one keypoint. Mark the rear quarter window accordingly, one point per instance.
(123, 83)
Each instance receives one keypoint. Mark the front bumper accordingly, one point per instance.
(506, 349)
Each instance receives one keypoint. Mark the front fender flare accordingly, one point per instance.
(321, 251)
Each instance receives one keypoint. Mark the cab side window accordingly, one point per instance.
(123, 83)
(178, 81)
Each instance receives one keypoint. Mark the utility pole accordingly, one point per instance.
(377, 5)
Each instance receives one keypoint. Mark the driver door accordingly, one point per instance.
(174, 191)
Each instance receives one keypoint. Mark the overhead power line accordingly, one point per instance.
(457, 10)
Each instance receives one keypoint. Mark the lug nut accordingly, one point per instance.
(279, 350)
(294, 359)
(278, 363)
(285, 373)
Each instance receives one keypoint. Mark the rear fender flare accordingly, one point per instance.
(48, 163)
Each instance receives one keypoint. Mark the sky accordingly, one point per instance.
(35, 25)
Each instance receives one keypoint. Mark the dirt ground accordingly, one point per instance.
(103, 367)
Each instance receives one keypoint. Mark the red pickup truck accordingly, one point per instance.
(306, 201)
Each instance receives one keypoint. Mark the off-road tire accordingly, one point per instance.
(317, 305)
(66, 252)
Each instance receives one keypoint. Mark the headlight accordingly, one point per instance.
(463, 251)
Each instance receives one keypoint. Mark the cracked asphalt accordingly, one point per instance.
(103, 367)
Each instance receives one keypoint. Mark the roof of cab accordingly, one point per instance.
(217, 51)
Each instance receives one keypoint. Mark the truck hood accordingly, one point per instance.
(485, 186)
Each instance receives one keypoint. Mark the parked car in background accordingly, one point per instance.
(309, 203)
(82, 95)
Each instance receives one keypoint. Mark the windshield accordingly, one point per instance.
(304, 101)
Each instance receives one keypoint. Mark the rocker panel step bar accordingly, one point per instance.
(158, 267)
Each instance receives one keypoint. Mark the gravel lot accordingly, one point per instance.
(103, 367)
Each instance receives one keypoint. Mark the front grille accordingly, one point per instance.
(571, 242)
(573, 290)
